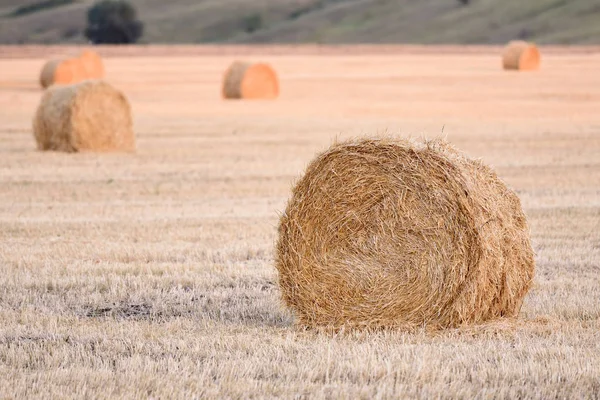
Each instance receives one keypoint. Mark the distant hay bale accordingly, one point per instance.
(92, 64)
(250, 81)
(63, 71)
(391, 233)
(520, 55)
(88, 65)
(88, 116)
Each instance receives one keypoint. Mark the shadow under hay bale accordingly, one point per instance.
(92, 64)
(250, 81)
(62, 72)
(88, 116)
(521, 56)
(391, 233)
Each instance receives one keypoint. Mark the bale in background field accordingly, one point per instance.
(520, 55)
(89, 116)
(64, 72)
(88, 65)
(390, 233)
(250, 81)
(92, 64)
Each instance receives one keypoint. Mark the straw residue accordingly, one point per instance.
(391, 233)
(89, 116)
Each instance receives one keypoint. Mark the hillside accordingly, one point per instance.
(322, 21)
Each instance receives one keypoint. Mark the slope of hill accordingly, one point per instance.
(322, 21)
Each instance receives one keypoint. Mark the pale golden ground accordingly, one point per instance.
(151, 275)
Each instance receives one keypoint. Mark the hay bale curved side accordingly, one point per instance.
(92, 64)
(520, 55)
(232, 80)
(51, 123)
(89, 116)
(243, 80)
(63, 72)
(47, 73)
(387, 233)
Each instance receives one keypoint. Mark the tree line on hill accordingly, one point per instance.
(113, 22)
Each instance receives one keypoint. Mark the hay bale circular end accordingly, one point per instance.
(521, 56)
(391, 233)
(92, 64)
(88, 116)
(250, 81)
(63, 72)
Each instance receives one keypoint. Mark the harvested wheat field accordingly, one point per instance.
(152, 274)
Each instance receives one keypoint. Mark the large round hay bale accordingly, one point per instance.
(92, 64)
(250, 81)
(520, 55)
(63, 71)
(88, 116)
(390, 233)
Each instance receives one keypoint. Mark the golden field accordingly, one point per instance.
(150, 275)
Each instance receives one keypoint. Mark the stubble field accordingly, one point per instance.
(151, 274)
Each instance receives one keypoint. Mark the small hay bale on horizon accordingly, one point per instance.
(520, 55)
(70, 70)
(62, 71)
(390, 233)
(88, 116)
(244, 80)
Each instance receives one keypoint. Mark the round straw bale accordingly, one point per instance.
(64, 72)
(88, 116)
(520, 55)
(250, 81)
(391, 233)
(92, 64)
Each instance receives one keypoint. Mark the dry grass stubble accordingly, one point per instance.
(152, 274)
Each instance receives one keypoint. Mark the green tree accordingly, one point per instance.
(113, 22)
